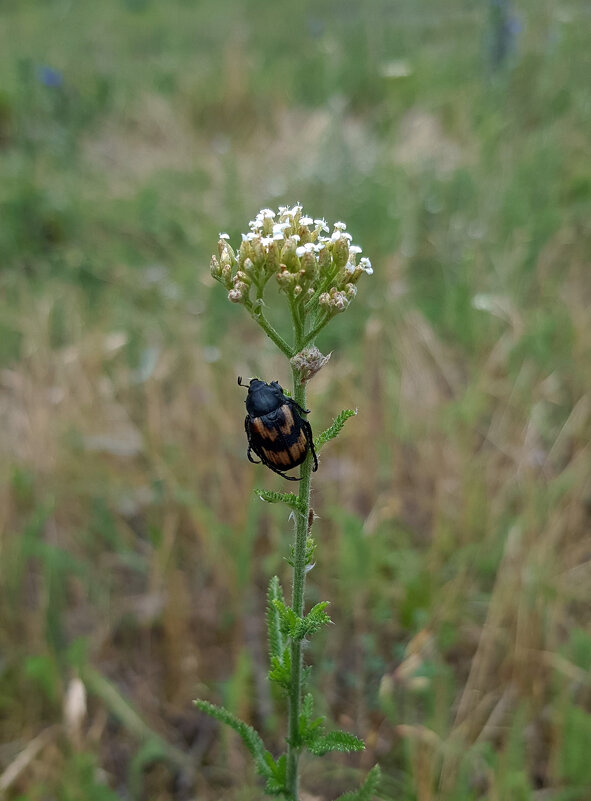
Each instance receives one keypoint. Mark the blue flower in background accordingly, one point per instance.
(50, 77)
(504, 30)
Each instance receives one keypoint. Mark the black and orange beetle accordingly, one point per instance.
(275, 428)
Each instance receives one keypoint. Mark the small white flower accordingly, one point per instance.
(365, 265)
(306, 221)
(224, 235)
(341, 226)
(321, 224)
(355, 249)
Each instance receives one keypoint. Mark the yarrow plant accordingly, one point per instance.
(317, 270)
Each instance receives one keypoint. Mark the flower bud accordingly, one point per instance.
(340, 250)
(243, 277)
(227, 276)
(308, 264)
(339, 302)
(273, 257)
(235, 296)
(245, 251)
(324, 258)
(285, 279)
(308, 362)
(227, 257)
(215, 268)
(289, 256)
(258, 252)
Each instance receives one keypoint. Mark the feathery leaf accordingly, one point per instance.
(367, 789)
(335, 429)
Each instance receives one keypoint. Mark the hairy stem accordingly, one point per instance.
(299, 580)
(259, 317)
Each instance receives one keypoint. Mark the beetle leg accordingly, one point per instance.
(250, 448)
(298, 407)
(250, 459)
(308, 431)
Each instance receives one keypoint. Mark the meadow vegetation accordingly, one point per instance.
(454, 510)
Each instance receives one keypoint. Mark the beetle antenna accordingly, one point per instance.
(240, 384)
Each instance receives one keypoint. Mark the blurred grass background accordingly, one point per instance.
(455, 509)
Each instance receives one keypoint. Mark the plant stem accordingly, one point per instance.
(259, 317)
(299, 580)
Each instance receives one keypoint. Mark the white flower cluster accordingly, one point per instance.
(310, 263)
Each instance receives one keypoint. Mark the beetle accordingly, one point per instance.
(275, 428)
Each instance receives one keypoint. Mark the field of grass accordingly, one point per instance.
(454, 511)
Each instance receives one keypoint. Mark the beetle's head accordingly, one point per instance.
(262, 398)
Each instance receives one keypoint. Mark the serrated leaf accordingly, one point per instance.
(335, 741)
(367, 789)
(274, 635)
(276, 784)
(308, 726)
(280, 671)
(335, 429)
(288, 620)
(250, 737)
(308, 705)
(314, 620)
(288, 498)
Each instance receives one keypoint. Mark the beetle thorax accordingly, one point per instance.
(263, 398)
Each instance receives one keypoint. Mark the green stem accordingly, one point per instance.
(299, 580)
(258, 316)
(309, 338)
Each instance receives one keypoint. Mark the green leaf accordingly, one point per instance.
(277, 782)
(310, 551)
(335, 429)
(287, 498)
(367, 789)
(250, 737)
(275, 637)
(314, 620)
(335, 741)
(308, 726)
(288, 620)
(280, 671)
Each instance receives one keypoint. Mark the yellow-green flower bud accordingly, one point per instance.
(273, 257)
(242, 276)
(324, 258)
(309, 264)
(215, 268)
(245, 251)
(289, 256)
(227, 276)
(340, 250)
(258, 252)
